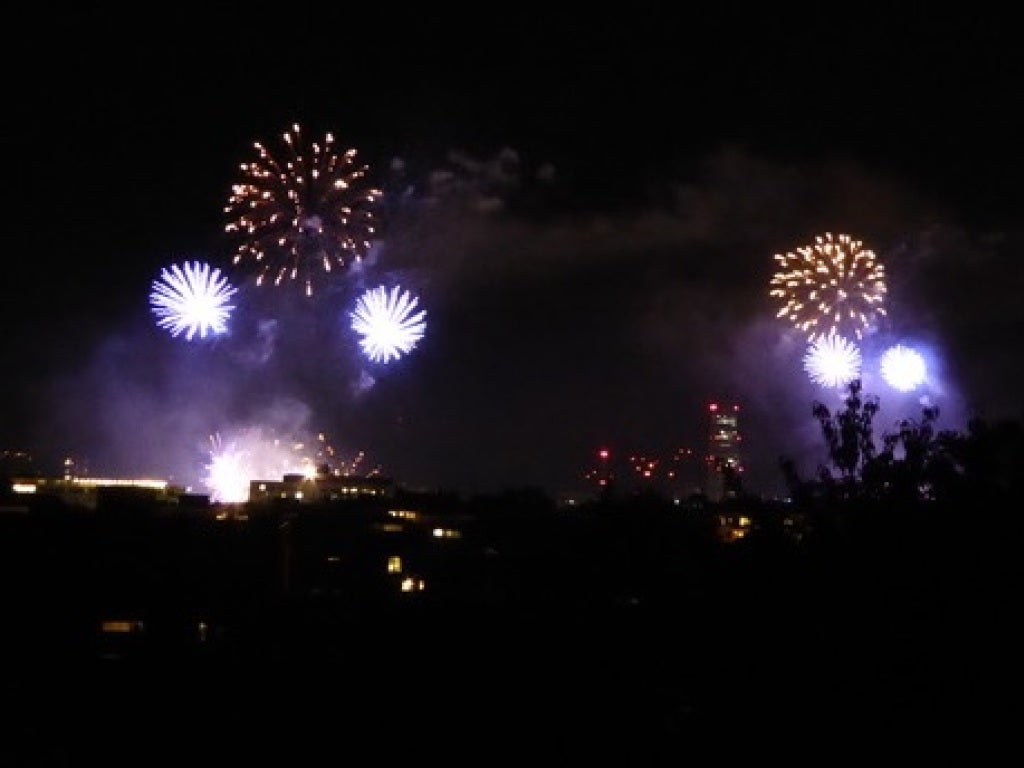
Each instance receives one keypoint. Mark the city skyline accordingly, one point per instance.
(234, 463)
(587, 209)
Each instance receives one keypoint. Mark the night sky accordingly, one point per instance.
(586, 205)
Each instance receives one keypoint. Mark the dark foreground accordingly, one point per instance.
(622, 640)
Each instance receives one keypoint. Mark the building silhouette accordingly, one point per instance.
(723, 463)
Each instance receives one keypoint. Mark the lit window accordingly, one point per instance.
(120, 626)
(410, 584)
(446, 533)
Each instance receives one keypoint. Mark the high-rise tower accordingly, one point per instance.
(724, 466)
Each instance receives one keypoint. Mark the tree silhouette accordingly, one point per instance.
(849, 435)
(915, 463)
(904, 470)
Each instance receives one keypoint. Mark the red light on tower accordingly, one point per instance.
(724, 462)
(603, 473)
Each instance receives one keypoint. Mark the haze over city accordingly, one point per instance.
(587, 209)
(475, 259)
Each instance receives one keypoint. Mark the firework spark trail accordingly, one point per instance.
(388, 324)
(192, 298)
(835, 286)
(302, 216)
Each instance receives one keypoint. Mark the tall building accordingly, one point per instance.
(724, 465)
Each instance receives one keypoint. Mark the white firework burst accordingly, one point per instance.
(903, 368)
(192, 298)
(228, 473)
(388, 322)
(832, 361)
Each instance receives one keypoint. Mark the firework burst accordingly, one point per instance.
(832, 361)
(304, 215)
(252, 453)
(835, 286)
(228, 472)
(191, 298)
(388, 323)
(903, 368)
